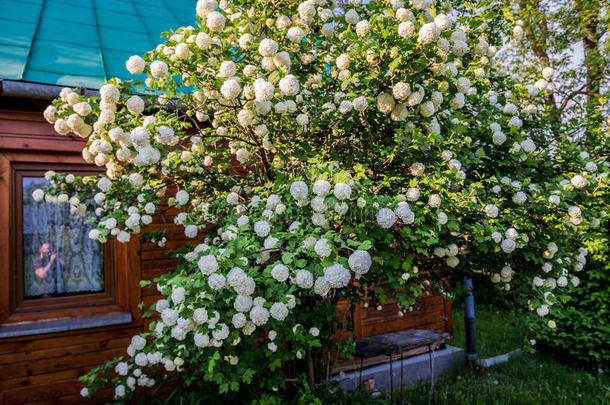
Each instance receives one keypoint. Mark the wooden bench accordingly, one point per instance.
(390, 347)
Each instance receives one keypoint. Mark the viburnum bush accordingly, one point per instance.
(318, 152)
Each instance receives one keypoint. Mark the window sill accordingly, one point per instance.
(64, 324)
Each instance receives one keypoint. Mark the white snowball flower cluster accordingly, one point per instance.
(323, 248)
(342, 191)
(289, 85)
(208, 264)
(263, 90)
(259, 315)
(159, 69)
(262, 228)
(299, 190)
(278, 311)
(429, 33)
(280, 272)
(337, 276)
(579, 181)
(304, 279)
(386, 218)
(321, 187)
(360, 262)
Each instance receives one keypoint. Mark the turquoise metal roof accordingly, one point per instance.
(82, 42)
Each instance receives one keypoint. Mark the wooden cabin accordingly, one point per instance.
(50, 335)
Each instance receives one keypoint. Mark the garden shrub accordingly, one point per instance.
(317, 153)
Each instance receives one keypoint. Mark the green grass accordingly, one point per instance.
(528, 378)
(497, 332)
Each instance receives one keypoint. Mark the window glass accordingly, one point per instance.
(59, 258)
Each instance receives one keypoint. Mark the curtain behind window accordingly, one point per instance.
(78, 266)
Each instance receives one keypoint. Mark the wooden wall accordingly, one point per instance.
(43, 369)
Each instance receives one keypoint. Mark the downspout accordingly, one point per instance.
(471, 340)
(469, 322)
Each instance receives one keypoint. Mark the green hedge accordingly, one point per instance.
(583, 323)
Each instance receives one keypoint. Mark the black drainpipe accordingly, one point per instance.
(469, 318)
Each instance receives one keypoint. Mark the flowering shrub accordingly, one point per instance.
(315, 153)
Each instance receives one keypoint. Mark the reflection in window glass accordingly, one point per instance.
(58, 256)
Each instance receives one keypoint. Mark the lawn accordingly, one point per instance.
(537, 378)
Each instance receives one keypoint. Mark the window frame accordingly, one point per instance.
(20, 304)
(121, 260)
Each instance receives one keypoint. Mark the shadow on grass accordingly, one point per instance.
(538, 378)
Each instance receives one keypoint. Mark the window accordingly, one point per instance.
(49, 268)
(59, 259)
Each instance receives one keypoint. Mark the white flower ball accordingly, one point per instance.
(242, 155)
(205, 7)
(259, 315)
(321, 188)
(434, 200)
(362, 28)
(342, 191)
(385, 103)
(579, 181)
(574, 212)
(215, 21)
(190, 231)
(508, 245)
(295, 34)
(352, 17)
(406, 29)
(491, 211)
(360, 103)
(360, 262)
(307, 10)
(401, 90)
(413, 194)
(458, 101)
(462, 84)
(591, 167)
(239, 320)
(268, 48)
(323, 248)
(321, 286)
(343, 61)
(242, 303)
(159, 69)
(519, 198)
(547, 73)
(386, 218)
(498, 138)
(216, 281)
(263, 90)
(279, 311)
(230, 89)
(304, 279)
(201, 340)
(289, 85)
(299, 190)
(232, 198)
(200, 315)
(443, 22)
(83, 108)
(427, 108)
(280, 272)
(428, 33)
(262, 228)
(208, 264)
(337, 276)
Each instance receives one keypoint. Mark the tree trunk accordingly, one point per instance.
(310, 373)
(588, 12)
